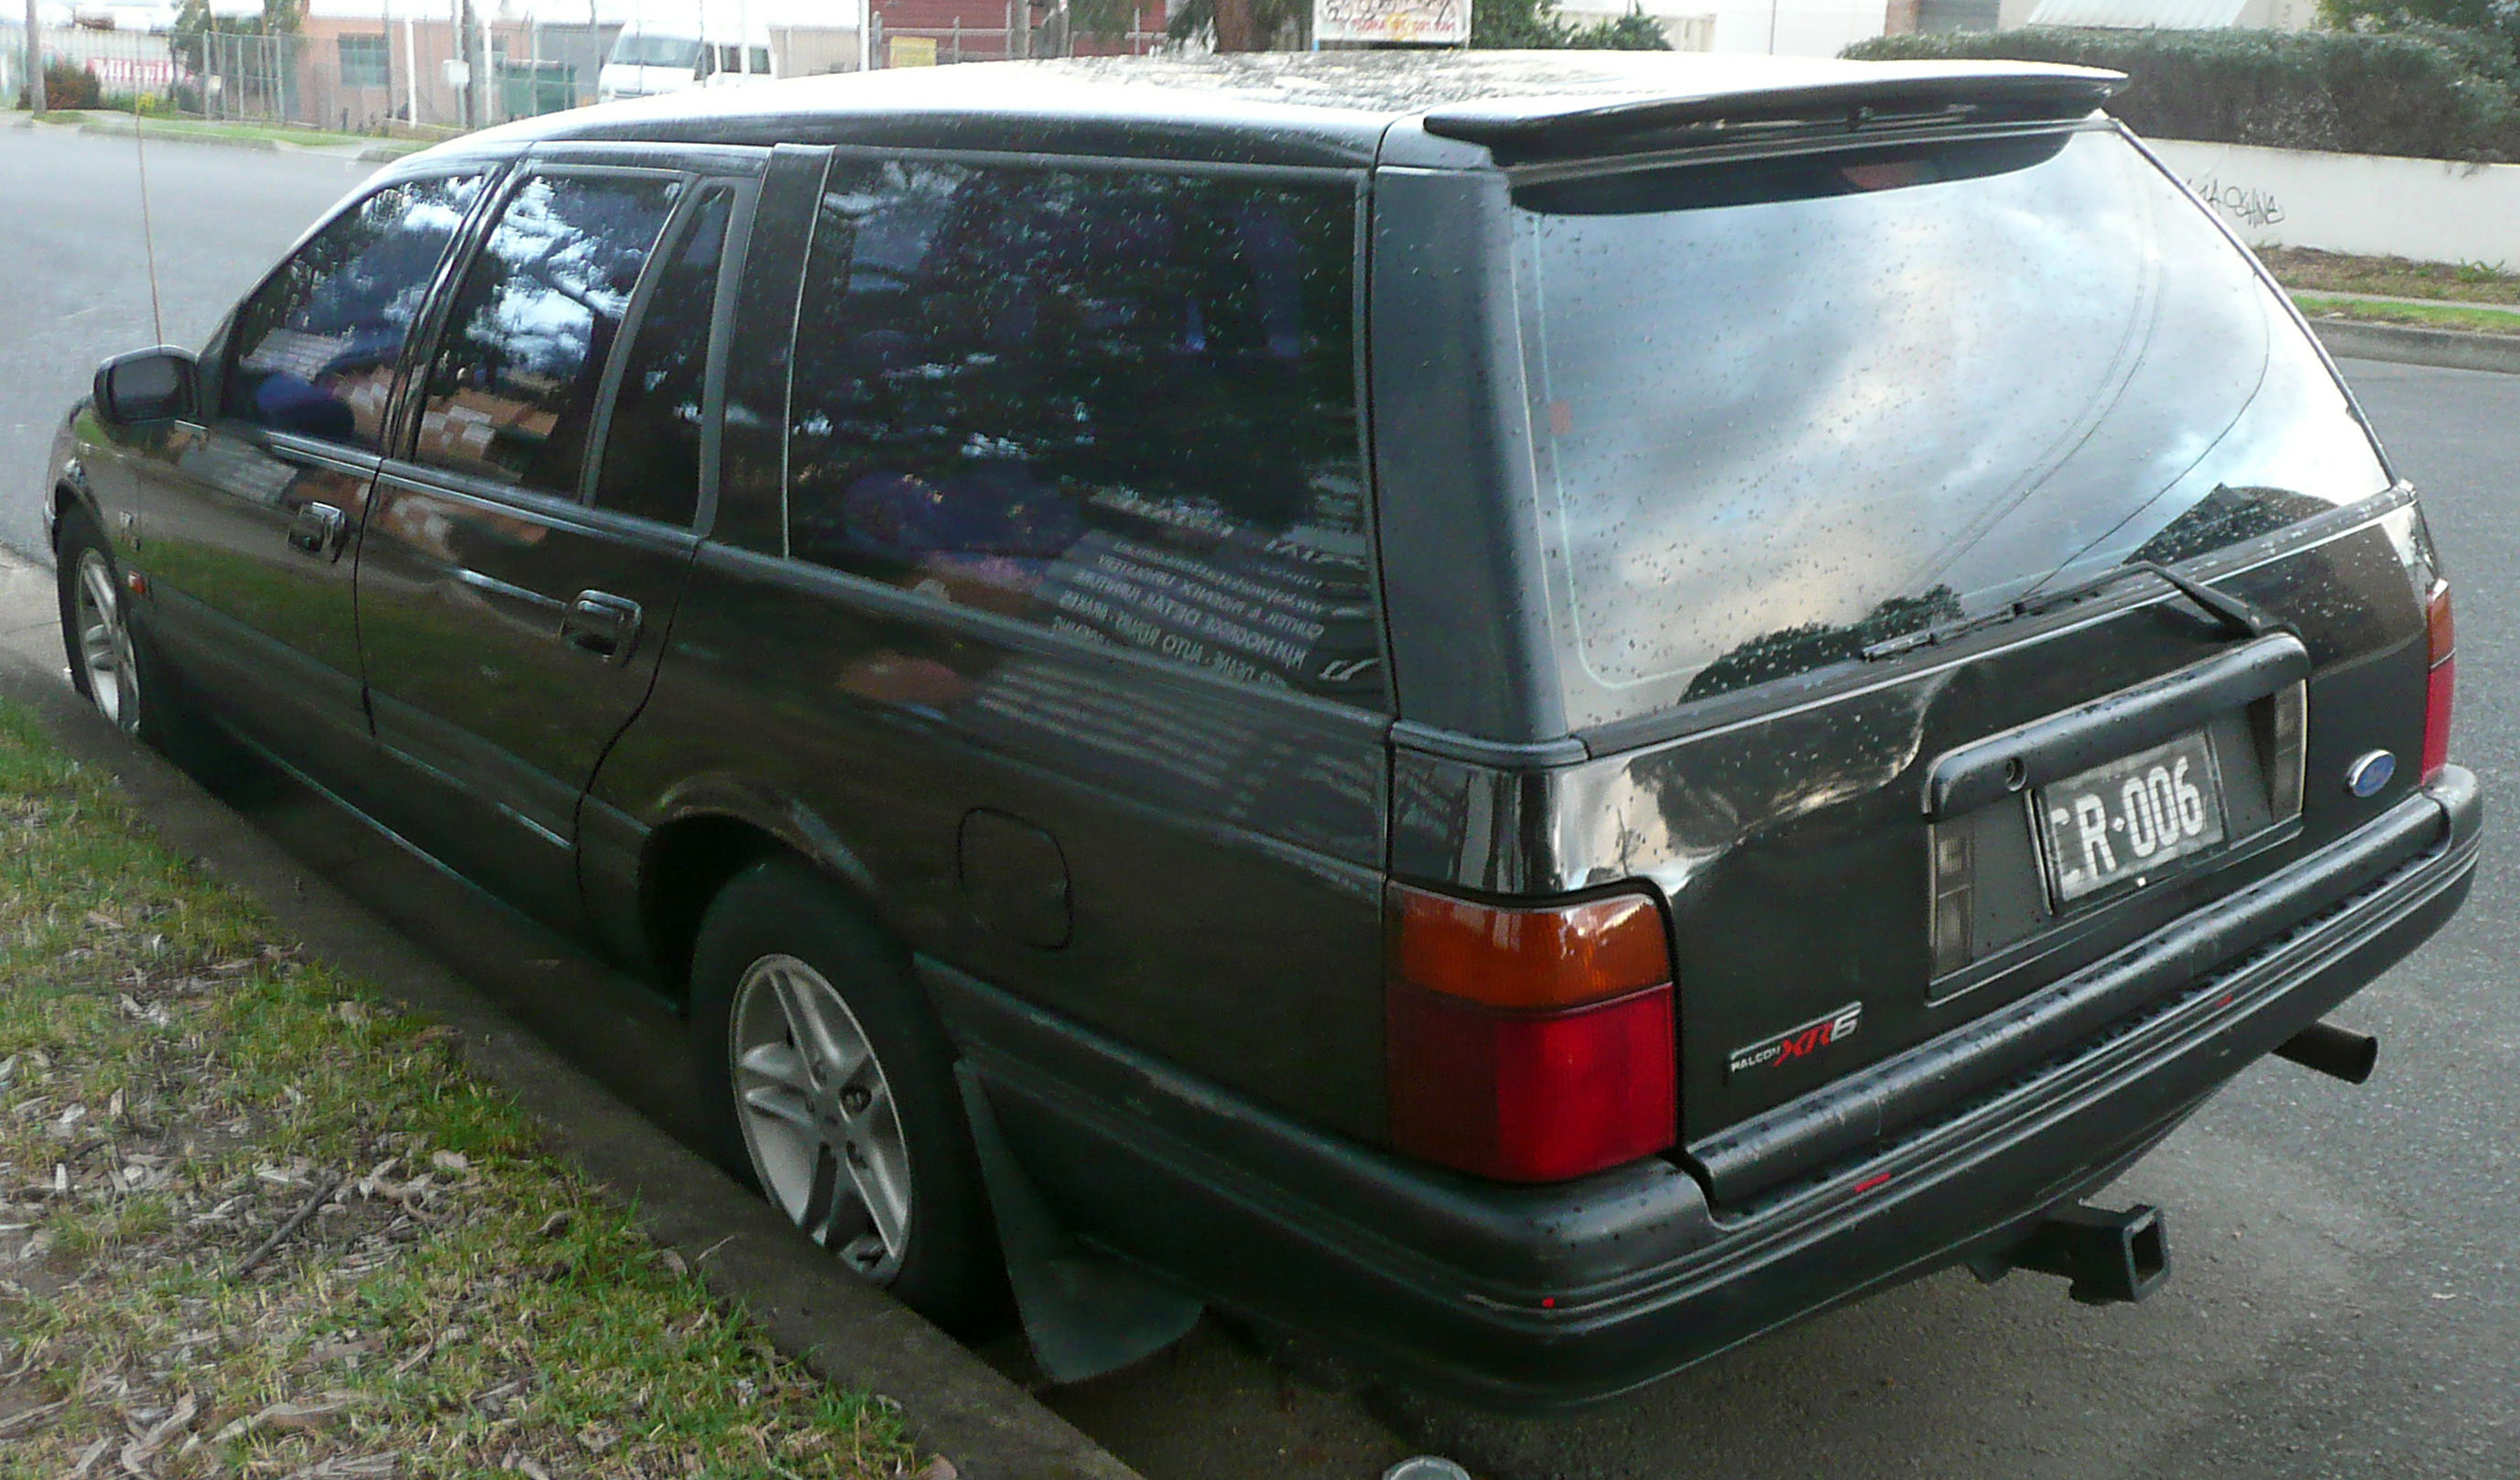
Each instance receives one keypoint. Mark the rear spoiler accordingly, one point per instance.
(1899, 99)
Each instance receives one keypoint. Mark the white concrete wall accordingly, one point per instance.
(1800, 28)
(2432, 211)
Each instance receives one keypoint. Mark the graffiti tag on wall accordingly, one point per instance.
(1432, 22)
(2246, 204)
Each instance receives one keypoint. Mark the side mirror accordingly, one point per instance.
(146, 386)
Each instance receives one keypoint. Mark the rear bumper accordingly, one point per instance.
(1555, 1295)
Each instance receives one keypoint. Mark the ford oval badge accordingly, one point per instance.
(2367, 776)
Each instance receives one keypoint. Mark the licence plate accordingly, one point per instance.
(2124, 819)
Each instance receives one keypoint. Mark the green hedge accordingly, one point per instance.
(2432, 94)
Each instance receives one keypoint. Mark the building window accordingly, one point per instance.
(366, 62)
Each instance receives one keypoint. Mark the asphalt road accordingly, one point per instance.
(2344, 1303)
(74, 268)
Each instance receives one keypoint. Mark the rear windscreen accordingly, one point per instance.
(1785, 409)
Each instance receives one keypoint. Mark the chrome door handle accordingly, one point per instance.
(603, 624)
(317, 530)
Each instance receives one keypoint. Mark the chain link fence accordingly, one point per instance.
(342, 77)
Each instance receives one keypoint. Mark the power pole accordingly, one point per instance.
(34, 62)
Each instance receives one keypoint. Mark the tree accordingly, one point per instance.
(1239, 25)
(258, 71)
(1534, 24)
(2484, 33)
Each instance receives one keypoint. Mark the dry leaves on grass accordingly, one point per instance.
(433, 1296)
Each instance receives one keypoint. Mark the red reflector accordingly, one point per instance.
(2439, 638)
(2437, 698)
(1532, 1097)
(1513, 957)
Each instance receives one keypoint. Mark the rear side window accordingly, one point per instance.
(1787, 408)
(317, 344)
(1118, 406)
(514, 385)
(652, 445)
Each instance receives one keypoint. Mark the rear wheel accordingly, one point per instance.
(832, 1086)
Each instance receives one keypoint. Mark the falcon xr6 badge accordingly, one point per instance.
(1795, 1043)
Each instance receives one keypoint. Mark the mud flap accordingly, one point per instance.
(1085, 1314)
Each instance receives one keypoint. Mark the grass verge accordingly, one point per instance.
(2423, 315)
(196, 128)
(178, 1086)
(2297, 267)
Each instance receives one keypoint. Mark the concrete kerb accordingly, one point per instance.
(843, 1331)
(2406, 344)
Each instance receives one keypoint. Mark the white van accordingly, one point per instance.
(646, 61)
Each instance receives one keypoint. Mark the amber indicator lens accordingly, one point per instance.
(1530, 1044)
(1520, 958)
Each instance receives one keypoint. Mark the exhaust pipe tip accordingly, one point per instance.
(2333, 1052)
(2112, 1258)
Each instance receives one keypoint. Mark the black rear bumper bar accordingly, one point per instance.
(1560, 1294)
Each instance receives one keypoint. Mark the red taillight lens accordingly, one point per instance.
(1530, 1044)
(2438, 684)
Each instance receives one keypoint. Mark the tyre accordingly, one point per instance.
(96, 626)
(831, 1086)
(115, 667)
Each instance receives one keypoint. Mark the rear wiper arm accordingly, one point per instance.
(2238, 617)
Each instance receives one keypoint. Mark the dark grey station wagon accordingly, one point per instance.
(1530, 713)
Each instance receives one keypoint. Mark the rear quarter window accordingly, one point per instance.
(1787, 408)
(1118, 406)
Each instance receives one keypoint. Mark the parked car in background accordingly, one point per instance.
(1532, 713)
(645, 62)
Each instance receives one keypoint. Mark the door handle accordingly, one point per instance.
(603, 624)
(317, 530)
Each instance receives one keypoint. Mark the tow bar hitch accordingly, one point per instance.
(2110, 1257)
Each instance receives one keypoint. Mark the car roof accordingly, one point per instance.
(1300, 108)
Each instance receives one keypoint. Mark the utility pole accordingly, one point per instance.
(34, 62)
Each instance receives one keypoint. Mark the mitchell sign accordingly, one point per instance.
(1426, 23)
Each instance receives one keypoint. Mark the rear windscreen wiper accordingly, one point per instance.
(2236, 617)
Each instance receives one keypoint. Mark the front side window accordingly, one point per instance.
(316, 347)
(1118, 406)
(514, 385)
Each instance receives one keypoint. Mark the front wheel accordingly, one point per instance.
(96, 626)
(832, 1086)
(115, 667)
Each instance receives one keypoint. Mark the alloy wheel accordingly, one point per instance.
(105, 643)
(818, 1115)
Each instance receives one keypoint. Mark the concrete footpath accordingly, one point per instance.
(844, 1331)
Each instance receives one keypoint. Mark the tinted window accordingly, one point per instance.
(1786, 409)
(652, 445)
(316, 345)
(1121, 406)
(513, 388)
